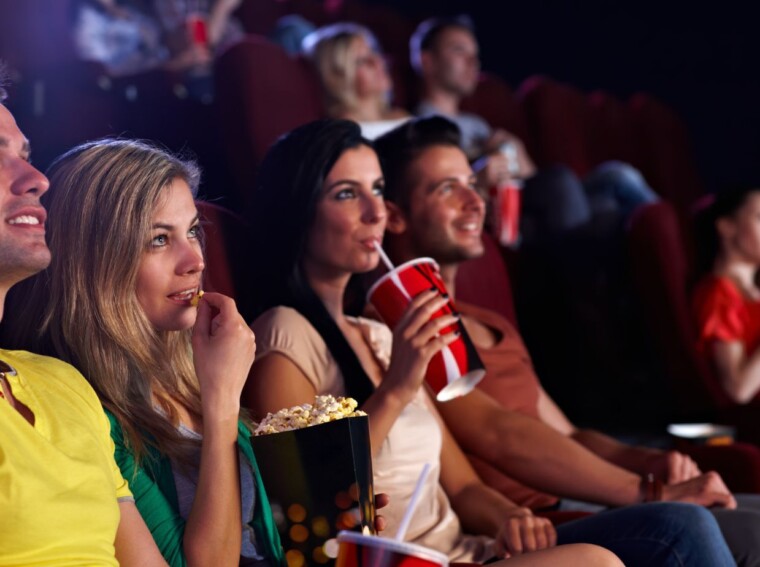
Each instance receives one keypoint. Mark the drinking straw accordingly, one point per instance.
(384, 257)
(404, 525)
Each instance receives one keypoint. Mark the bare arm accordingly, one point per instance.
(276, 381)
(223, 350)
(738, 373)
(217, 19)
(536, 454)
(670, 466)
(134, 543)
(482, 510)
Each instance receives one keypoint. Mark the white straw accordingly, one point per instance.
(384, 257)
(404, 525)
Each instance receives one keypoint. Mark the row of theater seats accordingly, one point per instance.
(560, 124)
(486, 282)
(263, 92)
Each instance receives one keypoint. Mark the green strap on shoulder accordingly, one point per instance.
(160, 470)
(266, 532)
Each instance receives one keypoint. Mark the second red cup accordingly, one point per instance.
(457, 368)
(505, 209)
(357, 550)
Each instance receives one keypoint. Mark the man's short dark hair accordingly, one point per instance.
(3, 82)
(428, 32)
(402, 145)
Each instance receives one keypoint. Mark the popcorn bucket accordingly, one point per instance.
(319, 481)
(457, 368)
(361, 550)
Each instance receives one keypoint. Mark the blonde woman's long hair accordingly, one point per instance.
(102, 197)
(330, 51)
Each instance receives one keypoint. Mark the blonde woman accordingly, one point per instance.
(354, 78)
(118, 303)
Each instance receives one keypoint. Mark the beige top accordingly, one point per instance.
(414, 439)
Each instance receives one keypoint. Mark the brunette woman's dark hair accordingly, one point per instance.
(283, 207)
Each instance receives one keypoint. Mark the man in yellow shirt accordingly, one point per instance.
(63, 500)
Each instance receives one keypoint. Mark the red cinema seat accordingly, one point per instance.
(556, 115)
(223, 234)
(610, 129)
(261, 93)
(660, 270)
(664, 151)
(261, 17)
(485, 282)
(495, 102)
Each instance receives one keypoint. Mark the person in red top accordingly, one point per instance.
(727, 300)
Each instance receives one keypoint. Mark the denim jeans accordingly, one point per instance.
(740, 527)
(556, 201)
(658, 534)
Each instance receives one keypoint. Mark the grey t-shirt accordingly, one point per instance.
(187, 483)
(475, 131)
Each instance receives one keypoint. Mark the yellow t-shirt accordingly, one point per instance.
(59, 483)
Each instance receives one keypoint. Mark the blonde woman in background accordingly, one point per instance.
(354, 77)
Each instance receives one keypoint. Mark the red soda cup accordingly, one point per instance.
(356, 550)
(197, 31)
(456, 369)
(505, 207)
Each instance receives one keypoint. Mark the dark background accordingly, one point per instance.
(701, 58)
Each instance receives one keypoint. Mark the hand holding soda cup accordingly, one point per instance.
(456, 369)
(502, 174)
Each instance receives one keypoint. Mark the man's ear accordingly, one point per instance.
(396, 219)
(427, 61)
